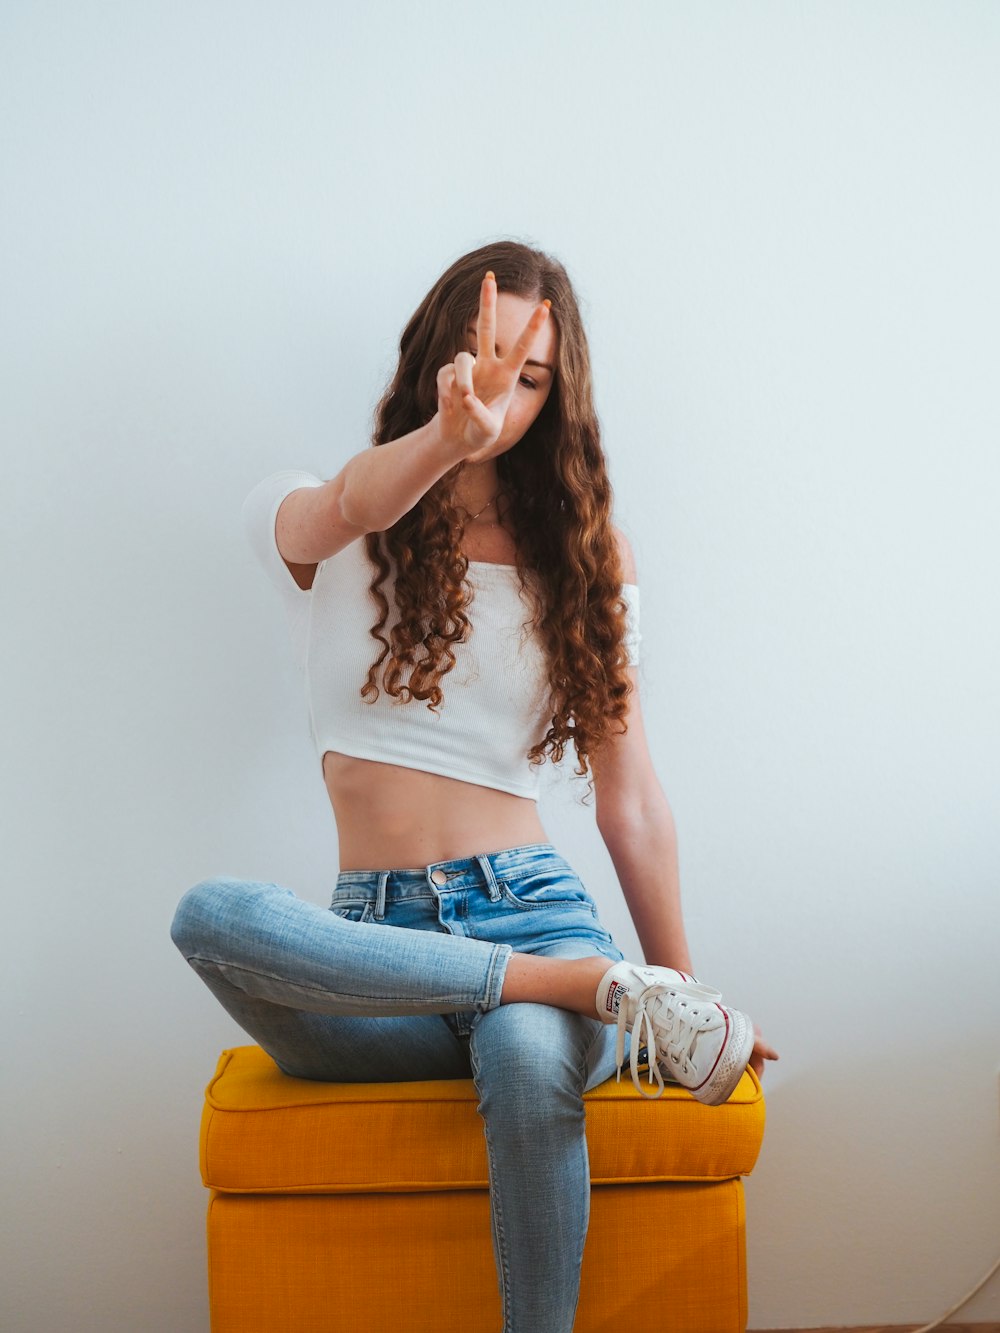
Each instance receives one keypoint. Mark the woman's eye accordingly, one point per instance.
(530, 383)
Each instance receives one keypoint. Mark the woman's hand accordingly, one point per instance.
(475, 392)
(761, 1052)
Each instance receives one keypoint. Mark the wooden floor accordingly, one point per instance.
(890, 1328)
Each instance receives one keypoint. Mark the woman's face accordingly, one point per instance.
(535, 382)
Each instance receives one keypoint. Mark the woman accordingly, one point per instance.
(462, 606)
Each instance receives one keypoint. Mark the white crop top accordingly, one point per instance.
(496, 697)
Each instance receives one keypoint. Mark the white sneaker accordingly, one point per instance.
(690, 1037)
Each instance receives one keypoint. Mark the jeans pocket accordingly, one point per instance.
(529, 893)
(357, 909)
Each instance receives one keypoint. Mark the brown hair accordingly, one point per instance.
(560, 516)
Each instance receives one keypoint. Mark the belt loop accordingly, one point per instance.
(491, 879)
(383, 876)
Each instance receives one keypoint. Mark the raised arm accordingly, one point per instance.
(371, 492)
(376, 487)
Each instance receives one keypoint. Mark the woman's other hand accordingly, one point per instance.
(761, 1052)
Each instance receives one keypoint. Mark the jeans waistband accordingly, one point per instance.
(461, 872)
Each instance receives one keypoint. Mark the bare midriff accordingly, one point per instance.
(394, 818)
(390, 817)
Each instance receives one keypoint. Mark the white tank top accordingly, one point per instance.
(496, 702)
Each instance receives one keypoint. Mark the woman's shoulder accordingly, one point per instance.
(259, 511)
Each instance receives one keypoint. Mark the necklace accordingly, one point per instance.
(472, 518)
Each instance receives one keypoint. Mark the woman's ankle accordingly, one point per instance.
(566, 983)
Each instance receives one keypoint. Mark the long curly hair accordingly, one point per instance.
(560, 503)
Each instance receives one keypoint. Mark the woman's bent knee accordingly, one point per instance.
(211, 908)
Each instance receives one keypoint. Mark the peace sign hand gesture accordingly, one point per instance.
(474, 392)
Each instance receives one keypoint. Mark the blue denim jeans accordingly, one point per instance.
(400, 979)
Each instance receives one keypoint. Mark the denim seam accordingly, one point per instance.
(585, 1175)
(585, 1163)
(501, 1234)
(495, 1208)
(460, 1001)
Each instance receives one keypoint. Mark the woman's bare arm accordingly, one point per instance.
(373, 490)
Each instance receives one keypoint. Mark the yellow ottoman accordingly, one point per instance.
(365, 1206)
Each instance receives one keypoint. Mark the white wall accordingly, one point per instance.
(782, 221)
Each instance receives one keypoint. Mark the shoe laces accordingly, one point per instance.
(683, 1016)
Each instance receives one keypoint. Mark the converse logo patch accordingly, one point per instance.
(613, 999)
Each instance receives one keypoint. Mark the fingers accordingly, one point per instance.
(518, 354)
(760, 1055)
(761, 1047)
(486, 324)
(761, 1052)
(450, 399)
(445, 381)
(757, 1061)
(458, 403)
(479, 414)
(454, 382)
(463, 371)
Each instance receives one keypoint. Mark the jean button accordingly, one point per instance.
(439, 877)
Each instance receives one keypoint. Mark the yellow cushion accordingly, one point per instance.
(669, 1258)
(265, 1133)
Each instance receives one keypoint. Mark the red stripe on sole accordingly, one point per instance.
(698, 1086)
